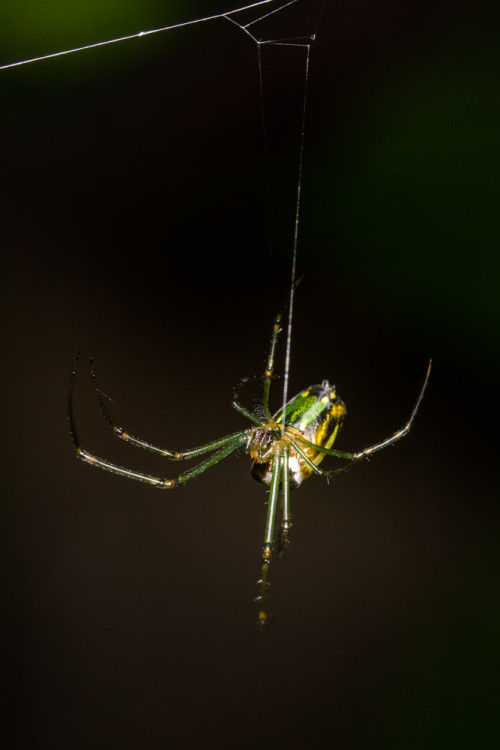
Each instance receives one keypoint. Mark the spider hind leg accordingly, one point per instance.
(280, 480)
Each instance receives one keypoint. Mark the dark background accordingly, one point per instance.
(135, 226)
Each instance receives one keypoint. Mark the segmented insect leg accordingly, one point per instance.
(268, 539)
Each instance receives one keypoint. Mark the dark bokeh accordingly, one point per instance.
(135, 226)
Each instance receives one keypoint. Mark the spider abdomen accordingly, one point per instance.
(314, 416)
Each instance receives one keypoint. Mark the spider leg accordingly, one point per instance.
(128, 438)
(236, 404)
(312, 465)
(353, 457)
(161, 482)
(286, 518)
(319, 449)
(268, 373)
(268, 539)
(404, 430)
(225, 445)
(268, 376)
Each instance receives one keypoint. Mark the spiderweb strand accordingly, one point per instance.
(293, 284)
(306, 42)
(144, 33)
(266, 15)
(266, 159)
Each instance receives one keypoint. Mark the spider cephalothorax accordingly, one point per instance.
(285, 448)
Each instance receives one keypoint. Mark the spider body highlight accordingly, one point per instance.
(285, 449)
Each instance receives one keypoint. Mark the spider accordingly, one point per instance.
(285, 448)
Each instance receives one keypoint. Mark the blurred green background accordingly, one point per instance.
(136, 226)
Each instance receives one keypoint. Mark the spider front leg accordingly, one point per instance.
(354, 457)
(268, 373)
(125, 435)
(236, 404)
(160, 482)
(404, 430)
(268, 376)
(225, 446)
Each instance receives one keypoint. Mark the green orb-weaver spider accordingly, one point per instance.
(285, 448)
